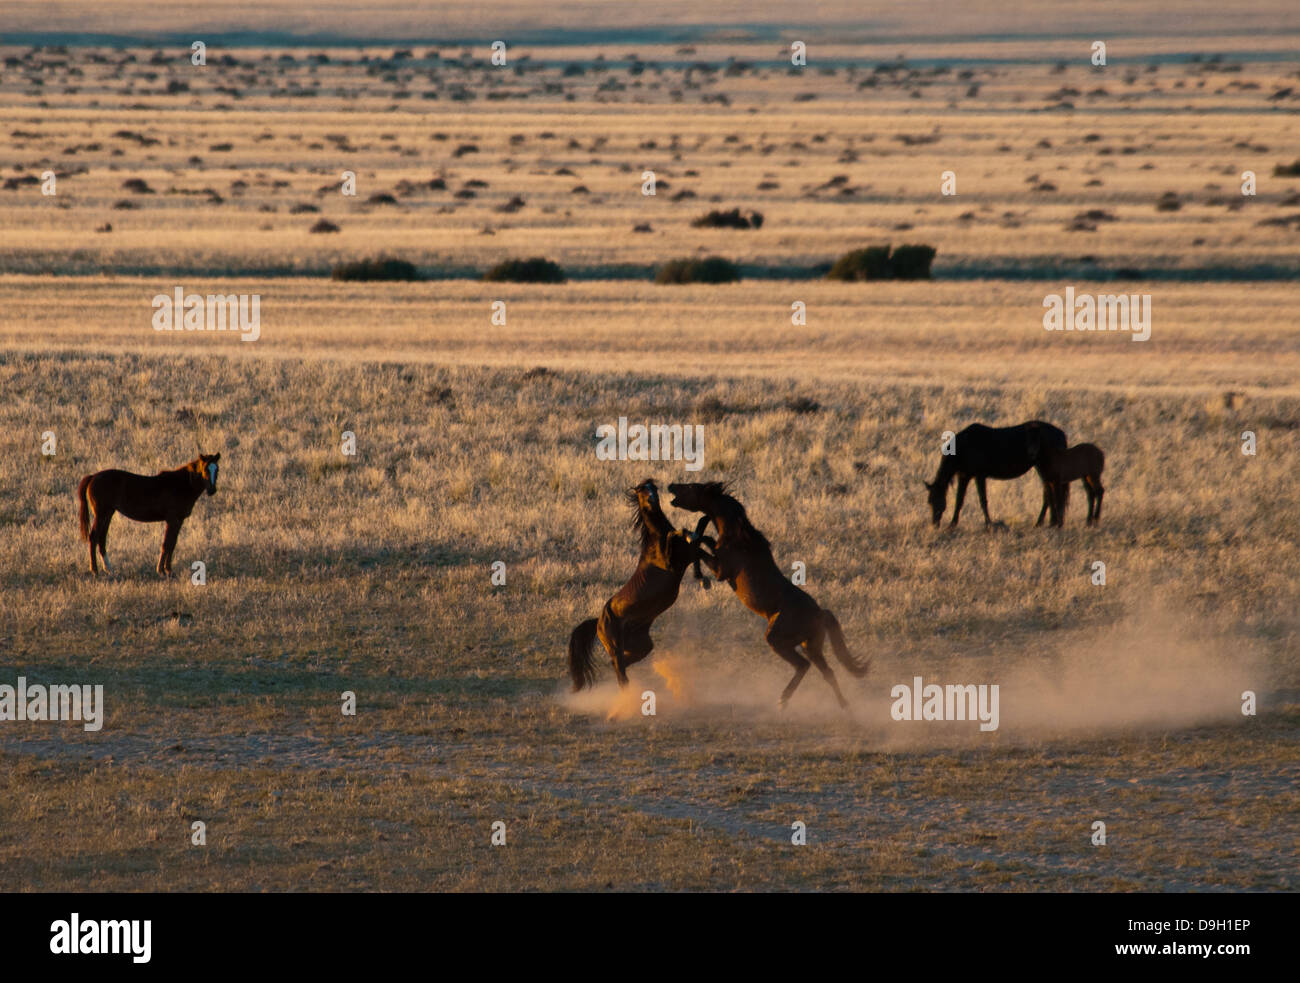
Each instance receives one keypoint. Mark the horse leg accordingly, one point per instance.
(94, 567)
(1062, 500)
(610, 632)
(169, 544)
(788, 649)
(1095, 491)
(962, 481)
(638, 646)
(813, 649)
(1047, 498)
(103, 537)
(984, 499)
(97, 533)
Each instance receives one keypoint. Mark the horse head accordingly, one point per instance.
(645, 498)
(697, 496)
(938, 495)
(205, 466)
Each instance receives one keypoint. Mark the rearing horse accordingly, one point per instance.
(168, 496)
(624, 623)
(743, 558)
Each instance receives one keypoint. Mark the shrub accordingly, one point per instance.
(1287, 170)
(877, 263)
(381, 268)
(871, 263)
(727, 220)
(323, 225)
(535, 270)
(712, 269)
(912, 262)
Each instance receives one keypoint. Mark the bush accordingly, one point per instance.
(382, 268)
(912, 262)
(871, 263)
(713, 269)
(728, 220)
(877, 263)
(1287, 170)
(535, 270)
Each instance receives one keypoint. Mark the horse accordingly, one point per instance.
(742, 557)
(1001, 453)
(1082, 461)
(168, 496)
(624, 623)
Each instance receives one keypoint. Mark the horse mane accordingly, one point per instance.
(947, 471)
(741, 531)
(647, 532)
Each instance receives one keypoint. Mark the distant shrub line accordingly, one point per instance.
(872, 263)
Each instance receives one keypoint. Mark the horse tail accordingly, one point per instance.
(836, 635)
(85, 507)
(582, 667)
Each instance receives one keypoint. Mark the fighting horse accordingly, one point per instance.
(742, 557)
(624, 623)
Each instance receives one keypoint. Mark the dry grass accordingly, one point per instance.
(373, 575)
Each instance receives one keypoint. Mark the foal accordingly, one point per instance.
(1082, 461)
(168, 496)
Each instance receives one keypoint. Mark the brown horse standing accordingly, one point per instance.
(624, 623)
(168, 496)
(743, 558)
(1001, 453)
(1082, 461)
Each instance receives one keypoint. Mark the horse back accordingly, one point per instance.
(1005, 452)
(144, 498)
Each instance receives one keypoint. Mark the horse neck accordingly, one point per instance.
(730, 525)
(654, 527)
(947, 468)
(193, 483)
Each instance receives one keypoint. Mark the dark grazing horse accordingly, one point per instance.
(1001, 453)
(624, 623)
(1082, 461)
(743, 558)
(168, 496)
